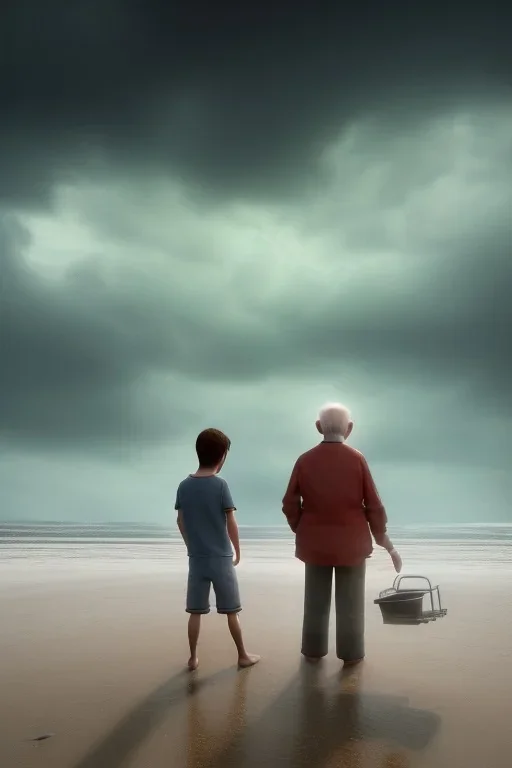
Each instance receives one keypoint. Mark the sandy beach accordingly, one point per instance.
(95, 656)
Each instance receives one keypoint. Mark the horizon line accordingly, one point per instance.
(28, 521)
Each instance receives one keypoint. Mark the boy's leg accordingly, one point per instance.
(350, 589)
(244, 659)
(317, 608)
(194, 625)
(225, 585)
(198, 603)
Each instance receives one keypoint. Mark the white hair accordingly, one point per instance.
(334, 419)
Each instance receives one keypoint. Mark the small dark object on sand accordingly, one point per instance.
(405, 606)
(43, 737)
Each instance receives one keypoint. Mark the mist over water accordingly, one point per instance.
(51, 551)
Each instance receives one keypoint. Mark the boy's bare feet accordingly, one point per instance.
(193, 663)
(244, 659)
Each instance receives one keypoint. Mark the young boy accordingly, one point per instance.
(206, 519)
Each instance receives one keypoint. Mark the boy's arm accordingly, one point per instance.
(179, 520)
(233, 533)
(232, 527)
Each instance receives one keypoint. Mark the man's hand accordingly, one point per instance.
(396, 560)
(384, 541)
(236, 559)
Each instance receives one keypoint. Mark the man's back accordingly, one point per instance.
(203, 502)
(331, 480)
(331, 503)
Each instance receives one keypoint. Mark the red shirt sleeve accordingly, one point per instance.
(292, 500)
(374, 509)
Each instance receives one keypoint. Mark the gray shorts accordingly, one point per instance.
(219, 571)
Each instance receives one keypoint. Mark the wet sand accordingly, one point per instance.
(98, 662)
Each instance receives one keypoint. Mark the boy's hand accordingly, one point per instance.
(236, 559)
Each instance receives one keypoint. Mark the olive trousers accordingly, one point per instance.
(349, 601)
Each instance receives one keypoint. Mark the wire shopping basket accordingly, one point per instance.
(405, 606)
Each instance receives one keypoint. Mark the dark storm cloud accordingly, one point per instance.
(453, 324)
(237, 100)
(72, 358)
(76, 354)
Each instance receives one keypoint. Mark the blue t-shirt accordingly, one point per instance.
(203, 502)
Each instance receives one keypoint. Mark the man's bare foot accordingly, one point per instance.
(313, 659)
(248, 661)
(193, 663)
(353, 663)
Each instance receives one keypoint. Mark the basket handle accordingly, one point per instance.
(399, 579)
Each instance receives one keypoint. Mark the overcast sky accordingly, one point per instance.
(212, 216)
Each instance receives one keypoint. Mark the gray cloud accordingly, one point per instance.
(234, 100)
(225, 217)
(81, 351)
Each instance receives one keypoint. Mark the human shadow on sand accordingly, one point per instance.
(310, 721)
(114, 750)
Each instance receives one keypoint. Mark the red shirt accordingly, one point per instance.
(333, 507)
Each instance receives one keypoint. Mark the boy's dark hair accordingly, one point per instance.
(211, 445)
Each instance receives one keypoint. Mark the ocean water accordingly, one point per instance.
(51, 551)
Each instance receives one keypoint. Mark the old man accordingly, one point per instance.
(333, 507)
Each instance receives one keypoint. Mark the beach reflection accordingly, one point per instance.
(210, 743)
(313, 723)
